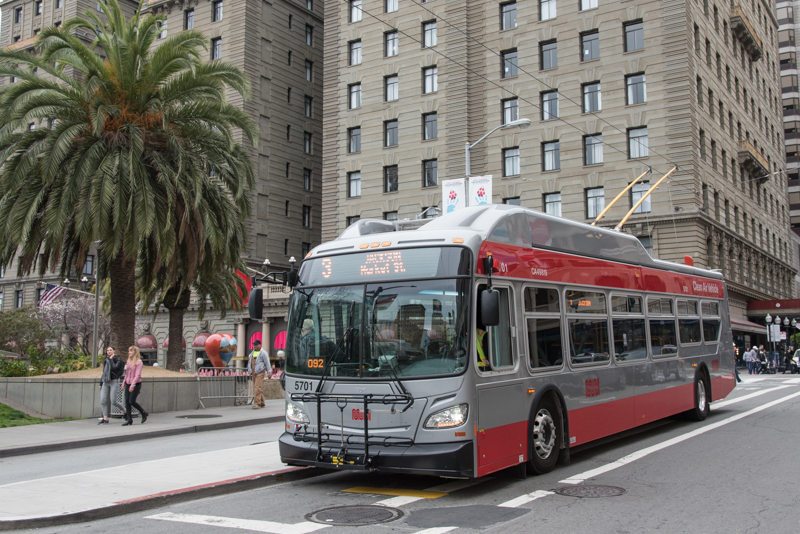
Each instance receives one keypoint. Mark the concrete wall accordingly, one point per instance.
(80, 398)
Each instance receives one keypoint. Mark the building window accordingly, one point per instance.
(392, 48)
(18, 15)
(390, 133)
(353, 184)
(508, 16)
(636, 193)
(216, 11)
(309, 35)
(552, 204)
(637, 143)
(289, 95)
(290, 22)
(634, 36)
(391, 88)
(431, 79)
(391, 6)
(307, 179)
(306, 248)
(161, 34)
(355, 52)
(595, 202)
(307, 216)
(188, 19)
(288, 166)
(429, 34)
(37, 8)
(353, 219)
(19, 299)
(510, 110)
(307, 142)
(588, 4)
(590, 44)
(549, 105)
(514, 201)
(593, 149)
(308, 103)
(647, 243)
(551, 152)
(288, 132)
(354, 140)
(637, 92)
(511, 161)
(285, 247)
(390, 179)
(355, 11)
(591, 97)
(509, 63)
(547, 9)
(390, 216)
(88, 265)
(430, 128)
(286, 209)
(216, 48)
(355, 95)
(430, 173)
(289, 58)
(310, 5)
(309, 71)
(548, 53)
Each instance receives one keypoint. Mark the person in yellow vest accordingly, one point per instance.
(480, 345)
(259, 366)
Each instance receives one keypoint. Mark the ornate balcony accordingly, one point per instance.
(752, 160)
(745, 32)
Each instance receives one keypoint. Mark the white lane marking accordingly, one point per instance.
(728, 402)
(241, 524)
(449, 487)
(524, 499)
(752, 380)
(435, 530)
(792, 381)
(398, 501)
(579, 478)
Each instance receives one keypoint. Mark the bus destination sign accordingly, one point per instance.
(382, 263)
(374, 265)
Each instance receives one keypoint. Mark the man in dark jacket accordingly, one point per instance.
(113, 369)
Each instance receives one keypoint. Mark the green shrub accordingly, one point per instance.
(12, 368)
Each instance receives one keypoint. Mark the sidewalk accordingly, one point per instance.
(49, 437)
(123, 489)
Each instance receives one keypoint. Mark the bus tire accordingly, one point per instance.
(544, 428)
(701, 398)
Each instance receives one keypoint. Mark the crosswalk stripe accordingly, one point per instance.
(435, 530)
(524, 499)
(270, 527)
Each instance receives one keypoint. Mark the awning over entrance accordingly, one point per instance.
(739, 325)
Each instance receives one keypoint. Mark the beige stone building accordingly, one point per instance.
(278, 43)
(611, 89)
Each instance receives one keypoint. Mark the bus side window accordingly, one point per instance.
(494, 345)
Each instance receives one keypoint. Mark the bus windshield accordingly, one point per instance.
(406, 329)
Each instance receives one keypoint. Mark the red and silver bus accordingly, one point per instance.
(491, 337)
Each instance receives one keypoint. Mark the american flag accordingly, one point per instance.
(52, 292)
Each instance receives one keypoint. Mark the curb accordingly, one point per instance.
(60, 446)
(159, 500)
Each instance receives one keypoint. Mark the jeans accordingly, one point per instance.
(130, 400)
(108, 395)
(736, 371)
(750, 367)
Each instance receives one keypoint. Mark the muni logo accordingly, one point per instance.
(593, 387)
(358, 415)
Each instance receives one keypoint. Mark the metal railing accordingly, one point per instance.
(224, 383)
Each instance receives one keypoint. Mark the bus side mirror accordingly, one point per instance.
(490, 307)
(293, 277)
(255, 304)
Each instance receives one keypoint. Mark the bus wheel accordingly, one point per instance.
(545, 424)
(701, 407)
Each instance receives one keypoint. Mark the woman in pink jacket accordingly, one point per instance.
(133, 385)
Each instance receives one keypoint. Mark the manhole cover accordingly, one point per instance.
(199, 416)
(354, 516)
(591, 491)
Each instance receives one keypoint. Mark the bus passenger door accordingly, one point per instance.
(502, 417)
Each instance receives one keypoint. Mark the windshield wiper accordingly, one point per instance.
(341, 348)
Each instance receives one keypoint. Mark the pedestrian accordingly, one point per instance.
(259, 366)
(748, 359)
(113, 369)
(133, 385)
(274, 371)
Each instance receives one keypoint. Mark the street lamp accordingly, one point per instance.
(84, 283)
(65, 283)
(521, 123)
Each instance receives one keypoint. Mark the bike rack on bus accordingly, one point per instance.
(342, 401)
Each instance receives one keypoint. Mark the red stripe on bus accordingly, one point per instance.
(721, 386)
(502, 446)
(551, 266)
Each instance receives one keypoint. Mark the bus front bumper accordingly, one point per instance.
(440, 459)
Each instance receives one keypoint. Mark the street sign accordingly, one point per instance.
(774, 332)
(783, 335)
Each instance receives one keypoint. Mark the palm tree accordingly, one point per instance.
(137, 136)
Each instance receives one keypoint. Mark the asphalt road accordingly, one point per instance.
(733, 473)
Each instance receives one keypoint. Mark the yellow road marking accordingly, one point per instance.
(422, 494)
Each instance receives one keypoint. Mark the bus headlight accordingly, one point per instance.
(295, 414)
(449, 417)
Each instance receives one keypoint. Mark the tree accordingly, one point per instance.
(74, 317)
(136, 137)
(21, 329)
